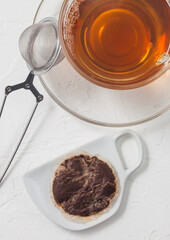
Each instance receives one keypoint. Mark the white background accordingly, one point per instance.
(145, 211)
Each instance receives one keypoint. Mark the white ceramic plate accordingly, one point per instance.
(38, 181)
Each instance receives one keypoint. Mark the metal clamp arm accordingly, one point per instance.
(27, 85)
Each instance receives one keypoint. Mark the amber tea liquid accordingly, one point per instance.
(118, 40)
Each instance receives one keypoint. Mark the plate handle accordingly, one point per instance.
(140, 149)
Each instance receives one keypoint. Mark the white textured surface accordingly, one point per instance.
(145, 210)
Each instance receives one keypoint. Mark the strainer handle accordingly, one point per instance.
(28, 85)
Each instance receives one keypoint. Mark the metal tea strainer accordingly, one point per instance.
(40, 48)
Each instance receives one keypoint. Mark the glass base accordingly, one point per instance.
(97, 105)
